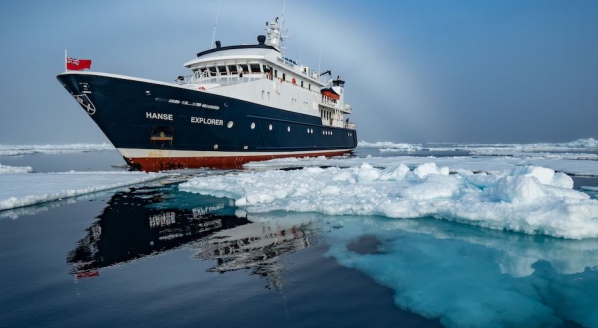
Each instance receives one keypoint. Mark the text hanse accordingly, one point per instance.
(159, 116)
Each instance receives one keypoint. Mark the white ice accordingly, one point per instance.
(476, 164)
(488, 149)
(15, 169)
(389, 146)
(27, 189)
(528, 199)
(14, 150)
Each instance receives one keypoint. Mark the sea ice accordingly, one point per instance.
(476, 164)
(13, 150)
(28, 189)
(474, 278)
(15, 169)
(529, 199)
(486, 149)
(389, 146)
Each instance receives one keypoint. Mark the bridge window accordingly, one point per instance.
(255, 68)
(232, 69)
(212, 71)
(222, 70)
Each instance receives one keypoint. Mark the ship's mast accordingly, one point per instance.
(273, 30)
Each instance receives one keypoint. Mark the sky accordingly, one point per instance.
(416, 71)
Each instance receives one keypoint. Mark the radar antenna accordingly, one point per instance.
(215, 25)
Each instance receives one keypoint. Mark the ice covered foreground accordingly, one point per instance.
(28, 189)
(529, 199)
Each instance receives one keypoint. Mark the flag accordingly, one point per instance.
(77, 64)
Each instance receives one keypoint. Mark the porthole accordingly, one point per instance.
(270, 127)
(288, 129)
(216, 146)
(307, 130)
(230, 124)
(252, 125)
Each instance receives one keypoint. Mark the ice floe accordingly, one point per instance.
(528, 199)
(28, 189)
(469, 278)
(476, 164)
(15, 169)
(389, 146)
(14, 150)
(486, 149)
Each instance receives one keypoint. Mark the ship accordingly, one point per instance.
(240, 103)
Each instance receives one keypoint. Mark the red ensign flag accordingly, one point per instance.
(77, 64)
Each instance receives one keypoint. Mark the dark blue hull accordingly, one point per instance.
(158, 126)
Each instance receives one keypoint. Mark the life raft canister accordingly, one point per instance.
(202, 88)
(294, 81)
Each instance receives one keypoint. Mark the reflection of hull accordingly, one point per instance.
(159, 126)
(127, 232)
(129, 228)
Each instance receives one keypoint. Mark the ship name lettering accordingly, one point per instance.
(159, 116)
(208, 121)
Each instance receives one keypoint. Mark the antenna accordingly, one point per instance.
(282, 17)
(284, 4)
(216, 24)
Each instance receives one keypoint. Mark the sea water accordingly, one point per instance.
(159, 254)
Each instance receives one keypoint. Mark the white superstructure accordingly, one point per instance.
(263, 75)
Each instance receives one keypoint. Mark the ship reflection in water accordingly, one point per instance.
(149, 221)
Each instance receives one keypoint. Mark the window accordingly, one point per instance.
(284, 77)
(276, 73)
(222, 70)
(245, 68)
(212, 71)
(232, 69)
(255, 68)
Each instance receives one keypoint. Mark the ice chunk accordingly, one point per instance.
(15, 169)
(527, 199)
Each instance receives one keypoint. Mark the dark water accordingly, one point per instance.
(154, 256)
(151, 257)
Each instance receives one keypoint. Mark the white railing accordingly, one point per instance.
(198, 78)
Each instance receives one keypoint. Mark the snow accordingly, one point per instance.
(14, 150)
(28, 189)
(15, 169)
(527, 199)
